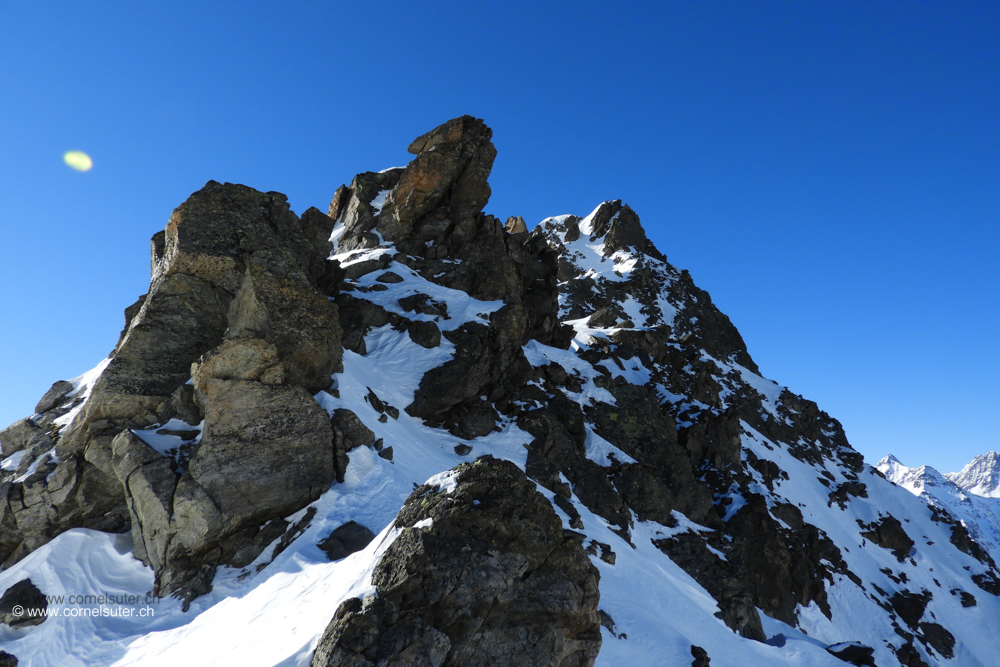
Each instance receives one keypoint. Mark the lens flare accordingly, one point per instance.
(78, 160)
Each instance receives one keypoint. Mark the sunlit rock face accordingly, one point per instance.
(981, 476)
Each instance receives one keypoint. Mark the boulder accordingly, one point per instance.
(425, 334)
(345, 540)
(23, 604)
(16, 437)
(453, 159)
(54, 396)
(448, 596)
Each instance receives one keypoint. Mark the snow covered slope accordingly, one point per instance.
(978, 512)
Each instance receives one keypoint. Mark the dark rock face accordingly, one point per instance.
(352, 206)
(432, 213)
(700, 656)
(937, 636)
(853, 652)
(425, 334)
(23, 604)
(7, 659)
(726, 580)
(888, 533)
(345, 540)
(448, 596)
(910, 606)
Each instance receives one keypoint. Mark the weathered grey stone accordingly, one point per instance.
(235, 359)
(199, 523)
(56, 498)
(448, 596)
(183, 317)
(277, 303)
(16, 437)
(54, 396)
(149, 482)
(181, 406)
(266, 451)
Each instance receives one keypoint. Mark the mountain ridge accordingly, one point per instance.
(980, 476)
(275, 387)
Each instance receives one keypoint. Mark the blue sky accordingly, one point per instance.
(827, 171)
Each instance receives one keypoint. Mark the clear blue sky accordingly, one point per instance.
(827, 171)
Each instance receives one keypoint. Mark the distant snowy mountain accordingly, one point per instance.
(405, 432)
(981, 476)
(979, 513)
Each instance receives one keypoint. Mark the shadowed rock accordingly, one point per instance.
(346, 540)
(23, 604)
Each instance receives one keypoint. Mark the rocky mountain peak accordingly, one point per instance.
(445, 185)
(467, 443)
(981, 476)
(914, 479)
(620, 228)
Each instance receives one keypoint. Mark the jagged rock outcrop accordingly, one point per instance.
(238, 303)
(687, 457)
(432, 215)
(482, 574)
